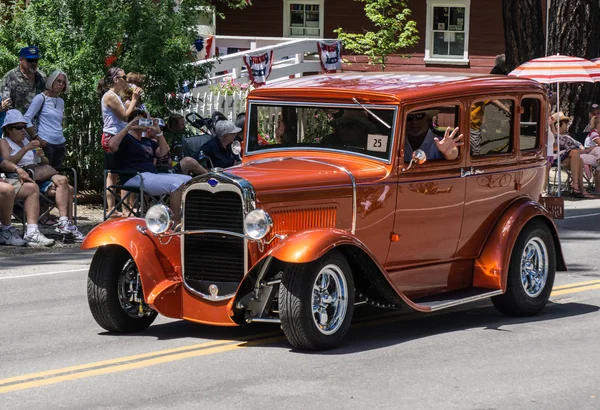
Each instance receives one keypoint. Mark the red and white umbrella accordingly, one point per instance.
(559, 69)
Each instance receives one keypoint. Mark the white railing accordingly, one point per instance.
(291, 57)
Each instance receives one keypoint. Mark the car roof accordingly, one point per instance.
(396, 85)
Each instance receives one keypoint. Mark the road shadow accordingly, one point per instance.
(48, 258)
(371, 328)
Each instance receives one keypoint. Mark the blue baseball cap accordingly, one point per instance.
(29, 52)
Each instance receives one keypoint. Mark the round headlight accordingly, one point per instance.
(257, 224)
(236, 147)
(159, 218)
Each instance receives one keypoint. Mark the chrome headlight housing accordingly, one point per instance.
(258, 224)
(159, 219)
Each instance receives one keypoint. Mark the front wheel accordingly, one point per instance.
(531, 272)
(115, 292)
(316, 302)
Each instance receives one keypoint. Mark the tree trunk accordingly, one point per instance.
(573, 31)
(523, 31)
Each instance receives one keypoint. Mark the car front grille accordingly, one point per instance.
(213, 258)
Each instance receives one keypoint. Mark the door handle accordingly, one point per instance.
(465, 172)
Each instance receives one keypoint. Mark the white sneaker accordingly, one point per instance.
(36, 238)
(10, 237)
(67, 228)
(77, 236)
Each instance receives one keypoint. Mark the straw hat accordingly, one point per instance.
(560, 116)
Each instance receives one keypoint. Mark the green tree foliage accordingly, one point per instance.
(154, 37)
(394, 31)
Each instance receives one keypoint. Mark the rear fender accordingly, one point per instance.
(491, 268)
(159, 264)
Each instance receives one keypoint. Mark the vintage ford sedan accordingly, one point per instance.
(404, 191)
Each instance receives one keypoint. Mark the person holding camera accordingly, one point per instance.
(114, 117)
(136, 153)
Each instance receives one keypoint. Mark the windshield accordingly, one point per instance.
(340, 128)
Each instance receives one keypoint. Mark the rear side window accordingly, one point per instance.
(530, 124)
(490, 131)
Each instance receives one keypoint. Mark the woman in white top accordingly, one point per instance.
(49, 109)
(16, 148)
(114, 116)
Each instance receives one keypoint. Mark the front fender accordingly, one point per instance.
(159, 264)
(491, 268)
(310, 245)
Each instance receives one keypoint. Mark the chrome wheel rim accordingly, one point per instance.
(129, 288)
(330, 299)
(534, 267)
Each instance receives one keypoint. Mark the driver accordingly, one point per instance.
(420, 136)
(351, 129)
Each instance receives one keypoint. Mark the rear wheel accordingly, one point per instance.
(115, 292)
(531, 272)
(316, 302)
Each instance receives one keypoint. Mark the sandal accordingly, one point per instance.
(49, 220)
(581, 195)
(115, 214)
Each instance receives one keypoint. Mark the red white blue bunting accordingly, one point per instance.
(259, 67)
(330, 53)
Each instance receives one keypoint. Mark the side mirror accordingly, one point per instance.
(418, 157)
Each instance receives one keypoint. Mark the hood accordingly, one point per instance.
(291, 174)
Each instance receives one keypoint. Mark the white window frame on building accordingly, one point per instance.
(308, 28)
(430, 33)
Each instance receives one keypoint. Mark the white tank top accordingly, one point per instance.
(112, 123)
(14, 148)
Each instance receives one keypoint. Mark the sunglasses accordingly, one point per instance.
(18, 127)
(31, 60)
(418, 117)
(122, 77)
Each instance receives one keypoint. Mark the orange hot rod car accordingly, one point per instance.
(353, 188)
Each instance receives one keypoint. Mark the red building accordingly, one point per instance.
(454, 34)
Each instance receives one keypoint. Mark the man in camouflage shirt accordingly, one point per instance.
(24, 82)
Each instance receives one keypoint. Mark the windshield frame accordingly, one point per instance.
(391, 107)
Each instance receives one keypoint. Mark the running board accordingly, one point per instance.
(459, 297)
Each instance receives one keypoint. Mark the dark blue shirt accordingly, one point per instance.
(136, 156)
(220, 157)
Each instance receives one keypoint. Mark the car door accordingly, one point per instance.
(429, 211)
(491, 173)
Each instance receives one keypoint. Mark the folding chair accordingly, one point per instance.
(564, 182)
(47, 201)
(588, 176)
(143, 199)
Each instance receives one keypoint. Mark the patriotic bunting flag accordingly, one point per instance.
(330, 53)
(259, 67)
(208, 41)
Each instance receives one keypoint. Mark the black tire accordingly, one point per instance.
(517, 301)
(103, 294)
(295, 303)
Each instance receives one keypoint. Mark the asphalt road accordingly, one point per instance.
(53, 355)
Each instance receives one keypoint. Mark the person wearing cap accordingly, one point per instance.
(17, 148)
(219, 149)
(419, 135)
(24, 82)
(136, 153)
(19, 185)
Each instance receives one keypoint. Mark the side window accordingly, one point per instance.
(423, 125)
(491, 127)
(530, 124)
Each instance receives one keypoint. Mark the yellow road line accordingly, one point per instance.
(575, 285)
(169, 355)
(575, 290)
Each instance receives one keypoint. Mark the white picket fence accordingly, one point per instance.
(291, 57)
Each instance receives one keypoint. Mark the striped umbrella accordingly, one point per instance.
(559, 69)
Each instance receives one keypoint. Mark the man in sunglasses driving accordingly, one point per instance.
(419, 135)
(24, 82)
